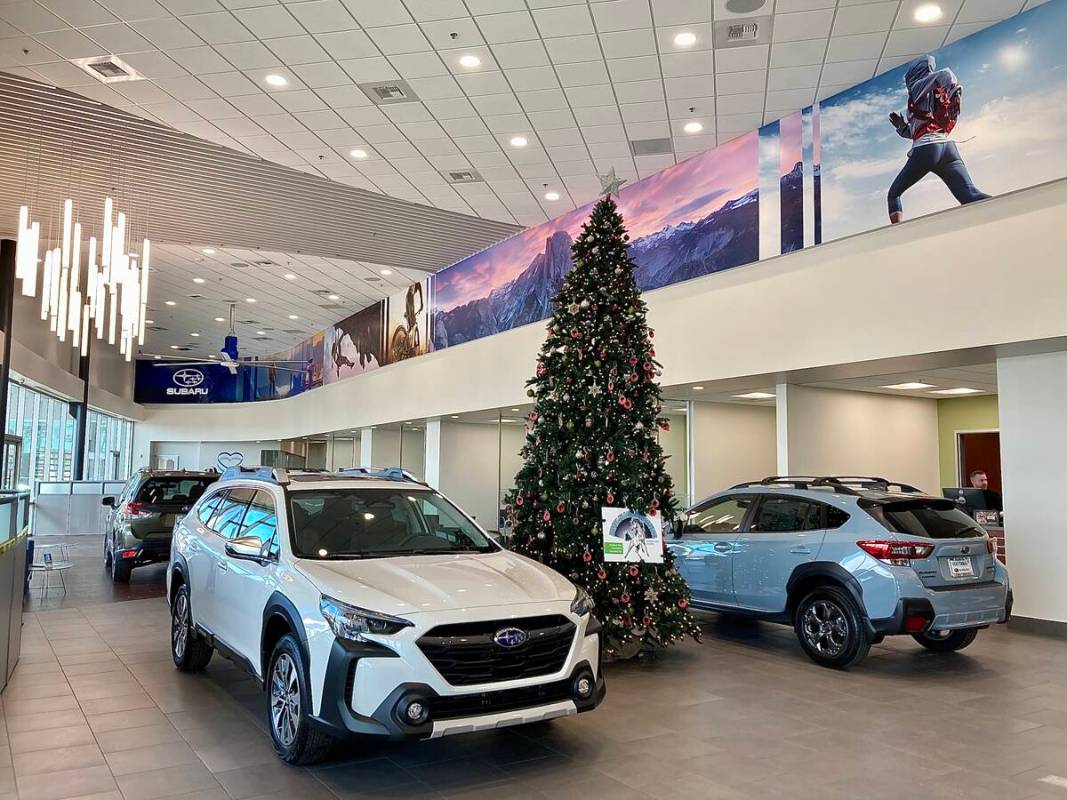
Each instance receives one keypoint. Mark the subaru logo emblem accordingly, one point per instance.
(188, 377)
(965, 549)
(510, 637)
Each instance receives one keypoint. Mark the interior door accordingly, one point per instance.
(704, 545)
(244, 586)
(980, 451)
(783, 532)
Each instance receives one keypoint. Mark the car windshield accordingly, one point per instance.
(378, 523)
(934, 519)
(174, 490)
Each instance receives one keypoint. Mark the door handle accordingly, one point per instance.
(723, 547)
(222, 565)
(801, 549)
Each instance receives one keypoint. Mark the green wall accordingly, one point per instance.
(961, 414)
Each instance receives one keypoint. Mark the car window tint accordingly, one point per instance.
(936, 519)
(725, 515)
(208, 507)
(835, 517)
(173, 490)
(261, 519)
(227, 519)
(786, 515)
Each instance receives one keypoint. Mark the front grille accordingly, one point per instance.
(465, 653)
(472, 705)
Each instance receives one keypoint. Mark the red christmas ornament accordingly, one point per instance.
(633, 571)
(559, 508)
(601, 574)
(633, 377)
(622, 400)
(624, 597)
(633, 360)
(646, 622)
(610, 457)
(546, 516)
(683, 603)
(655, 502)
(574, 333)
(519, 501)
(627, 622)
(665, 425)
(610, 498)
(587, 556)
(651, 334)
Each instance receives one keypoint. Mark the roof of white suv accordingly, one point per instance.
(300, 480)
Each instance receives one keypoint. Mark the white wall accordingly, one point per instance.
(731, 443)
(470, 461)
(205, 455)
(834, 432)
(808, 309)
(674, 444)
(1033, 461)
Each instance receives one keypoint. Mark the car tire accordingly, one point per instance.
(830, 628)
(107, 554)
(950, 642)
(190, 652)
(297, 739)
(120, 570)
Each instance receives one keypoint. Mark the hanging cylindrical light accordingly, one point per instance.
(46, 294)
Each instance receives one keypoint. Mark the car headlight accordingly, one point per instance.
(582, 603)
(350, 622)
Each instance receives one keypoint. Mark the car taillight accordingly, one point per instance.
(990, 547)
(135, 510)
(900, 554)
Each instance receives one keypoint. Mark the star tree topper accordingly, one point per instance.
(611, 183)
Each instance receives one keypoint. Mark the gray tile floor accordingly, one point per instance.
(97, 711)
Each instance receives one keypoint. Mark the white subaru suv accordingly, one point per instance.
(367, 603)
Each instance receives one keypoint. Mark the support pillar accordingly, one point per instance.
(432, 464)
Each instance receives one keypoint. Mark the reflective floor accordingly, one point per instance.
(96, 710)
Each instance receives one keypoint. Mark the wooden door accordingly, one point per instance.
(980, 451)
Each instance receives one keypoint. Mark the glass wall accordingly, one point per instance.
(47, 428)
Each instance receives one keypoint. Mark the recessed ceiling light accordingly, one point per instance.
(250, 299)
(698, 388)
(958, 390)
(693, 127)
(928, 12)
(470, 61)
(220, 319)
(755, 396)
(208, 251)
(169, 303)
(276, 80)
(293, 316)
(514, 409)
(198, 280)
(261, 333)
(149, 322)
(290, 276)
(909, 386)
(157, 358)
(685, 39)
(334, 297)
(551, 195)
(452, 416)
(358, 153)
(385, 271)
(213, 356)
(175, 346)
(194, 333)
(518, 141)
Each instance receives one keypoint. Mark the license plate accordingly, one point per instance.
(960, 568)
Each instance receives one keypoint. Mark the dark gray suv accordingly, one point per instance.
(140, 521)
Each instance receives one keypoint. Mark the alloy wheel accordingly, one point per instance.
(180, 625)
(825, 628)
(284, 699)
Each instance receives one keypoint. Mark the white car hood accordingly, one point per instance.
(427, 583)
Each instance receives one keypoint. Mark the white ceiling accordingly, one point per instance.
(577, 78)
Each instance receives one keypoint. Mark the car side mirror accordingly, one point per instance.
(108, 501)
(248, 548)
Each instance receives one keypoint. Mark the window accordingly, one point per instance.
(935, 519)
(835, 518)
(173, 491)
(207, 508)
(369, 523)
(787, 515)
(721, 516)
(231, 510)
(261, 520)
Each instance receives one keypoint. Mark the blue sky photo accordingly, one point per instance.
(1010, 132)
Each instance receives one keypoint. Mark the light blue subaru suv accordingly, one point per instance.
(846, 561)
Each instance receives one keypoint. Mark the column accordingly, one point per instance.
(781, 413)
(366, 443)
(1033, 440)
(432, 465)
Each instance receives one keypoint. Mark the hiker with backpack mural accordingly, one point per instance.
(933, 109)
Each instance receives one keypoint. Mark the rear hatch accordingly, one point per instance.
(163, 500)
(959, 552)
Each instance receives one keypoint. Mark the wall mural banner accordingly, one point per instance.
(979, 117)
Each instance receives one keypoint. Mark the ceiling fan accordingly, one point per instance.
(229, 355)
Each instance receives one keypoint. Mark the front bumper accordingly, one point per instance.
(358, 673)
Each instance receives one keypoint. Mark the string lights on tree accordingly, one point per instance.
(115, 296)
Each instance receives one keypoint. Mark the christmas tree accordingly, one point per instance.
(591, 442)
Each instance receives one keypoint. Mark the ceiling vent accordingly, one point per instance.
(462, 176)
(240, 264)
(182, 348)
(387, 93)
(261, 338)
(743, 32)
(247, 322)
(322, 292)
(331, 306)
(373, 279)
(263, 262)
(195, 296)
(156, 328)
(651, 147)
(292, 330)
(108, 69)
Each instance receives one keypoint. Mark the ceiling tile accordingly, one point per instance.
(362, 70)
(563, 21)
(741, 82)
(530, 79)
(679, 64)
(269, 22)
(634, 69)
(543, 100)
(248, 55)
(949, 9)
(300, 100)
(321, 16)
(130, 10)
(855, 48)
(571, 49)
(119, 38)
(639, 91)
(702, 31)
(794, 78)
(440, 88)
(483, 83)
(65, 74)
(736, 59)
(80, 13)
(218, 28)
(848, 71)
(424, 10)
(322, 74)
(446, 34)
(622, 15)
(256, 105)
(30, 18)
(682, 12)
(70, 43)
(520, 54)
(806, 25)
(988, 10)
(585, 73)
(514, 26)
(378, 12)
(200, 60)
(301, 49)
(626, 44)
(185, 88)
(868, 18)
(491, 105)
(342, 96)
(180, 7)
(798, 54)
(740, 103)
(214, 109)
(790, 99)
(915, 40)
(399, 39)
(230, 84)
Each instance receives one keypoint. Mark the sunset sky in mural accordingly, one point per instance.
(685, 192)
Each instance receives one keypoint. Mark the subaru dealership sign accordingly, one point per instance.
(204, 383)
